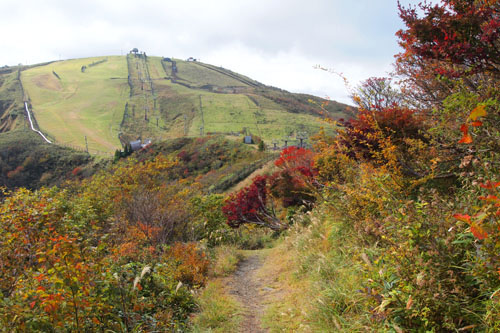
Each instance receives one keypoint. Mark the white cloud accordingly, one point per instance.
(273, 41)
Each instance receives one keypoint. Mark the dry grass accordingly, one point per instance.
(287, 304)
(328, 274)
(226, 260)
(219, 311)
(47, 81)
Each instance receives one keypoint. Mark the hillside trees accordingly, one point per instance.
(26, 161)
(145, 196)
(120, 250)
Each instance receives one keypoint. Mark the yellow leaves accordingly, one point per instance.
(356, 99)
(478, 111)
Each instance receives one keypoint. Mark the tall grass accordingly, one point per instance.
(219, 312)
(329, 264)
(226, 260)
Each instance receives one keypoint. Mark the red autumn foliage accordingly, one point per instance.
(15, 172)
(184, 156)
(294, 157)
(457, 32)
(293, 183)
(76, 171)
(250, 205)
(360, 136)
(490, 185)
(466, 138)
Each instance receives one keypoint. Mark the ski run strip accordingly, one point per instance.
(31, 123)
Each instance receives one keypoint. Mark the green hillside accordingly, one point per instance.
(11, 98)
(104, 102)
(70, 105)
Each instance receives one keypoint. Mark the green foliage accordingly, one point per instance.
(261, 145)
(127, 151)
(211, 220)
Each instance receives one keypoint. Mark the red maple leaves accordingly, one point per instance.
(458, 32)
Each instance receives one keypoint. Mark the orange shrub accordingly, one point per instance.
(191, 263)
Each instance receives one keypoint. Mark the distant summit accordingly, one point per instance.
(102, 103)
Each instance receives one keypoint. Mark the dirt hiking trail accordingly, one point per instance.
(255, 289)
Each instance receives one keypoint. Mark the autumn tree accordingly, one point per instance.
(453, 41)
(377, 93)
(462, 34)
(252, 205)
(294, 183)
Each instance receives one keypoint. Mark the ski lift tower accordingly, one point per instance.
(287, 139)
(301, 136)
(275, 144)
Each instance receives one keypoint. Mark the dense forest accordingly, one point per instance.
(394, 222)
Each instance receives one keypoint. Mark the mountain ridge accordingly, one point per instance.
(102, 103)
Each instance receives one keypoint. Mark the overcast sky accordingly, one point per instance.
(277, 42)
